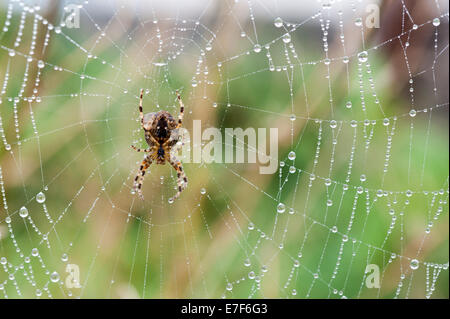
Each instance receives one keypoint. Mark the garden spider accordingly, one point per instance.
(162, 136)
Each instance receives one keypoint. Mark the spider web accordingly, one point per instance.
(362, 116)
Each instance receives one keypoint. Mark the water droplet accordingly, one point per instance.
(8, 220)
(40, 197)
(229, 286)
(286, 38)
(362, 178)
(251, 275)
(278, 22)
(333, 124)
(386, 122)
(194, 83)
(54, 277)
(12, 53)
(348, 105)
(329, 202)
(170, 200)
(257, 48)
(203, 191)
(412, 113)
(334, 229)
(436, 22)
(414, 264)
(291, 155)
(281, 208)
(23, 212)
(345, 59)
(247, 263)
(40, 64)
(64, 257)
(358, 22)
(34, 252)
(327, 61)
(363, 56)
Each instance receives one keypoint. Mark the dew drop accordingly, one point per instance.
(40, 64)
(54, 277)
(291, 155)
(286, 38)
(412, 113)
(414, 264)
(257, 48)
(23, 212)
(348, 105)
(436, 22)
(363, 56)
(281, 208)
(333, 124)
(40, 197)
(278, 22)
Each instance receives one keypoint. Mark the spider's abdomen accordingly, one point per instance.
(160, 125)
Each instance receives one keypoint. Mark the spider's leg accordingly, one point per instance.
(147, 150)
(181, 176)
(141, 112)
(180, 116)
(139, 179)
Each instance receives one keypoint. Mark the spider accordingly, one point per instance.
(162, 136)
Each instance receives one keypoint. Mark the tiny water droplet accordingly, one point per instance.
(414, 264)
(278, 22)
(436, 22)
(363, 56)
(291, 155)
(281, 208)
(40, 197)
(23, 212)
(54, 277)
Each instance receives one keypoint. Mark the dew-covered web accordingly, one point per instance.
(362, 116)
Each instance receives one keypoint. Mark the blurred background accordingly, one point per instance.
(357, 89)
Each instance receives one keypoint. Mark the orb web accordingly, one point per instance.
(362, 180)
